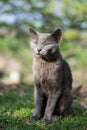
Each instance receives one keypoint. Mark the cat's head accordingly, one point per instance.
(45, 45)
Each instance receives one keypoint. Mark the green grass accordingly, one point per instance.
(17, 104)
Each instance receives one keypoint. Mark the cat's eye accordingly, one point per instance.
(47, 44)
(35, 42)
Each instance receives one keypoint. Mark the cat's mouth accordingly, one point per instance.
(40, 53)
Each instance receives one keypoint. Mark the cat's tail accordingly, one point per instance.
(76, 89)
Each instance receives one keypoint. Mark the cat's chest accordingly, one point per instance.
(45, 73)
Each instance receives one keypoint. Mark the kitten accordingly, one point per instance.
(52, 77)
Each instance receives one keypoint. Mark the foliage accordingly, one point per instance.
(39, 13)
(12, 44)
(45, 16)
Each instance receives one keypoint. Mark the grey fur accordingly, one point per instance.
(52, 77)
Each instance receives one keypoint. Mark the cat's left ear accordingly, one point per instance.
(57, 35)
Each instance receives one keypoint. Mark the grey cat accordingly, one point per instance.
(52, 77)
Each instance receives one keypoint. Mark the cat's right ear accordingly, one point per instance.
(33, 33)
(57, 34)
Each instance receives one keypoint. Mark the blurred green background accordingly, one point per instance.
(45, 16)
(16, 97)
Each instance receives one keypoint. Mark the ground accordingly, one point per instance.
(16, 104)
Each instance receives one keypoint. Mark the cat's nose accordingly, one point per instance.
(39, 49)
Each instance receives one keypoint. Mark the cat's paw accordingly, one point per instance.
(46, 121)
(34, 118)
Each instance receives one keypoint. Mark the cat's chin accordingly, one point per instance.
(37, 55)
(40, 56)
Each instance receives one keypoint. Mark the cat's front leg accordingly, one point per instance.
(38, 99)
(51, 103)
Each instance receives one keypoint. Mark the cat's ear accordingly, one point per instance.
(57, 34)
(33, 33)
